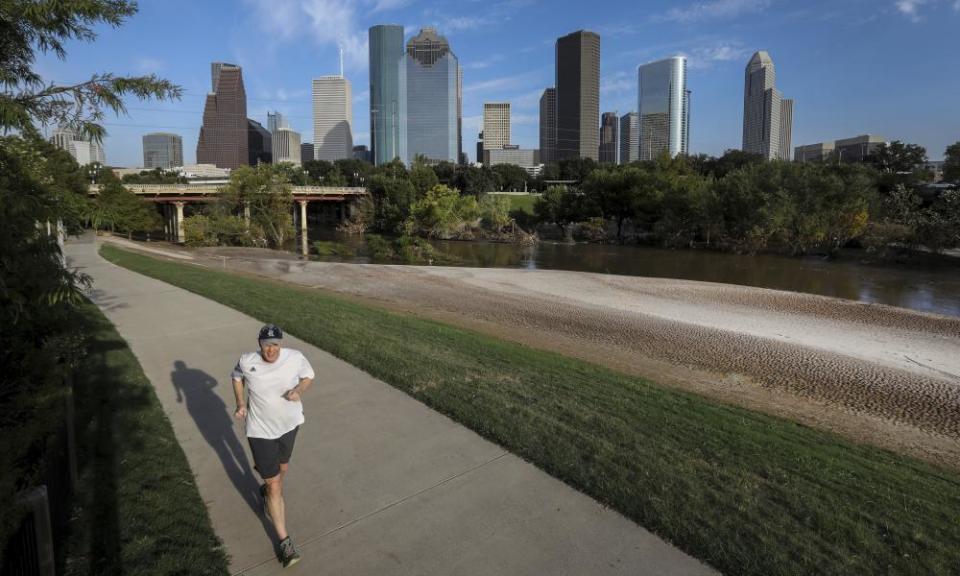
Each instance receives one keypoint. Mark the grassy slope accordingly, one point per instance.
(747, 493)
(522, 202)
(138, 510)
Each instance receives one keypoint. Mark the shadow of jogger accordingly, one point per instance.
(216, 423)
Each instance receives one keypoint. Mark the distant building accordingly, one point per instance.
(527, 159)
(306, 152)
(206, 171)
(629, 137)
(813, 152)
(259, 144)
(223, 135)
(332, 118)
(276, 120)
(578, 95)
(664, 108)
(388, 94)
(361, 153)
(496, 125)
(767, 116)
(83, 151)
(609, 138)
(858, 148)
(162, 150)
(935, 168)
(432, 98)
(460, 156)
(286, 146)
(851, 150)
(480, 148)
(548, 126)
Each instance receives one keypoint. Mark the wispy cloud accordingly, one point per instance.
(497, 83)
(703, 57)
(149, 65)
(716, 9)
(619, 82)
(910, 8)
(325, 22)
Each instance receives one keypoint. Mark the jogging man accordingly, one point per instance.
(276, 378)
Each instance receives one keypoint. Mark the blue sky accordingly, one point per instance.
(886, 67)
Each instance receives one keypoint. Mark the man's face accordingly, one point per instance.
(269, 351)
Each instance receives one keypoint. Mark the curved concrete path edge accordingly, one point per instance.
(379, 483)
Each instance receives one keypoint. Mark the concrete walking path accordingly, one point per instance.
(379, 483)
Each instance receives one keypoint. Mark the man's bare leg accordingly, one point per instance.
(275, 504)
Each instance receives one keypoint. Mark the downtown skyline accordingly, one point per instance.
(506, 51)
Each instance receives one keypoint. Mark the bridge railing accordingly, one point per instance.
(203, 189)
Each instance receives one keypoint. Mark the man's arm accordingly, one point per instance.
(241, 411)
(297, 391)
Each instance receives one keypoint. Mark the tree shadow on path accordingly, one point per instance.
(216, 423)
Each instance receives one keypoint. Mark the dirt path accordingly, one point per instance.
(877, 374)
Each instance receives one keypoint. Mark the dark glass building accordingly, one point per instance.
(578, 95)
(548, 126)
(388, 94)
(609, 139)
(259, 143)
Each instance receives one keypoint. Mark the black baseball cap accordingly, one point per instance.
(270, 334)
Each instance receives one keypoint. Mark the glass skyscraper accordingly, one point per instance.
(388, 94)
(767, 115)
(664, 108)
(162, 150)
(432, 98)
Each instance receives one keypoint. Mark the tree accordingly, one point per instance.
(28, 101)
(265, 193)
(951, 164)
(39, 295)
(392, 198)
(120, 210)
(511, 176)
(423, 178)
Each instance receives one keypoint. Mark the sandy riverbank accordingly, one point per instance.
(882, 375)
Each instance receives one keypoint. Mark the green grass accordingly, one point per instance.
(745, 492)
(137, 508)
(522, 202)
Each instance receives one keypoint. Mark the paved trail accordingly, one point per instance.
(379, 483)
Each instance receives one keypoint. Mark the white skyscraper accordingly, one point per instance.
(286, 146)
(664, 108)
(767, 116)
(83, 151)
(332, 118)
(496, 125)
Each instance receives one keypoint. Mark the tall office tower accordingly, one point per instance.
(432, 72)
(162, 150)
(767, 116)
(223, 135)
(83, 151)
(259, 144)
(388, 94)
(664, 108)
(609, 138)
(479, 159)
(548, 126)
(460, 159)
(332, 118)
(276, 120)
(286, 146)
(629, 137)
(496, 125)
(306, 152)
(578, 95)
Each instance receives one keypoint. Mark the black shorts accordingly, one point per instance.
(269, 454)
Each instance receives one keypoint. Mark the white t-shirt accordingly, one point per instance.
(269, 414)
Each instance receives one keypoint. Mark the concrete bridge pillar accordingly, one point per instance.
(303, 214)
(180, 239)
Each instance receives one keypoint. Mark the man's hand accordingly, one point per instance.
(240, 413)
(293, 394)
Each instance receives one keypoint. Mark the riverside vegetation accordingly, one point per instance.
(742, 491)
(738, 203)
(130, 515)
